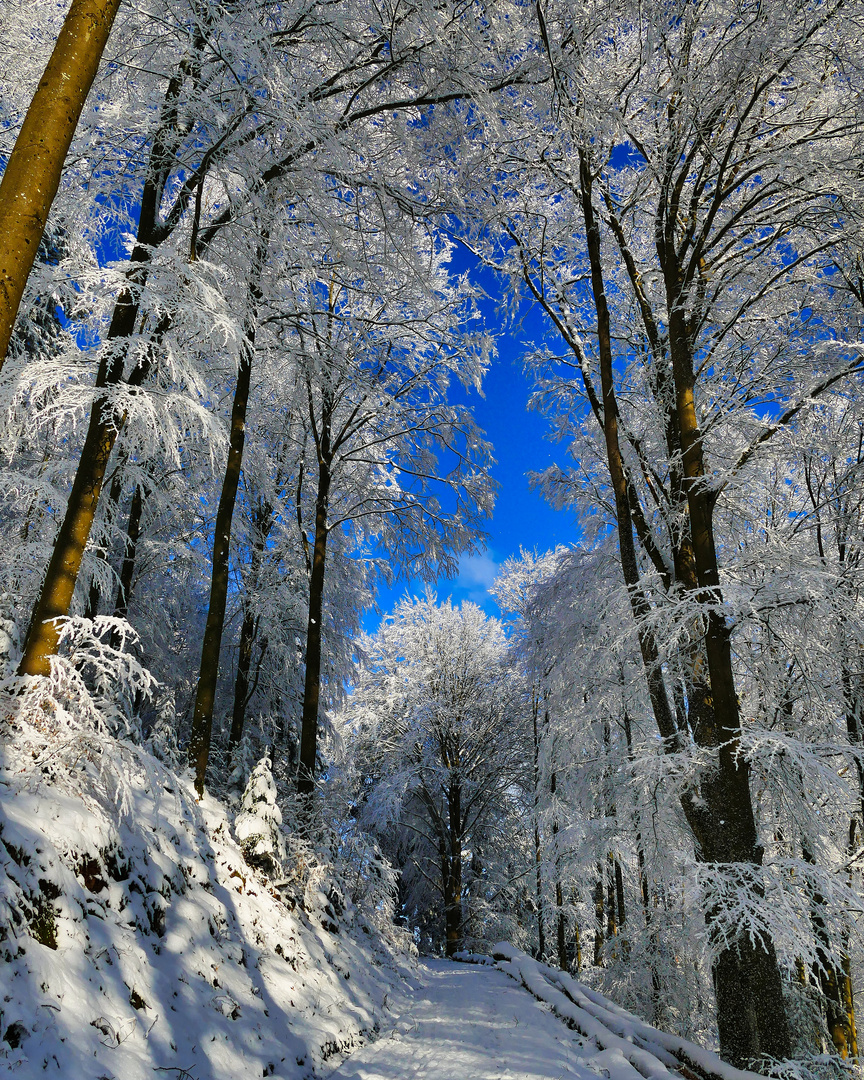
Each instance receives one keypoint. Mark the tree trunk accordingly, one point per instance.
(205, 695)
(750, 1010)
(127, 570)
(241, 682)
(453, 902)
(560, 918)
(598, 915)
(541, 931)
(105, 422)
(263, 524)
(61, 576)
(312, 684)
(561, 926)
(33, 171)
(619, 893)
(611, 912)
(829, 979)
(751, 1014)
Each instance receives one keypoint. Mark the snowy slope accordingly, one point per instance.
(136, 942)
(629, 1048)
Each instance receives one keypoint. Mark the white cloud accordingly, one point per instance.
(476, 573)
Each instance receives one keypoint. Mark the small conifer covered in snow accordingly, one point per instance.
(258, 826)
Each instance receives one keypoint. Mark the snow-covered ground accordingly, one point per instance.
(518, 1019)
(471, 1023)
(136, 941)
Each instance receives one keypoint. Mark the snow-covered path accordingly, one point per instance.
(471, 1023)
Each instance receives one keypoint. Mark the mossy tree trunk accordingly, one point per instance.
(106, 421)
(32, 175)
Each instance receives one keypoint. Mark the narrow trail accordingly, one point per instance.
(471, 1023)
(522, 1020)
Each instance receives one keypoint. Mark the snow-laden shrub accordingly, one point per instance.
(258, 827)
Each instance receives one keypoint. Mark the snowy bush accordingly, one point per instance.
(258, 827)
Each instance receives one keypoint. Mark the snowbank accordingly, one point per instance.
(629, 1048)
(136, 941)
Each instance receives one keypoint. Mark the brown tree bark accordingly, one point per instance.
(33, 171)
(263, 524)
(751, 1014)
(750, 1010)
(312, 681)
(106, 422)
(61, 576)
(205, 694)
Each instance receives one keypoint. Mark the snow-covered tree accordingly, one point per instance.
(671, 204)
(437, 725)
(258, 825)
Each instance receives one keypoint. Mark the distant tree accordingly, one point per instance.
(438, 726)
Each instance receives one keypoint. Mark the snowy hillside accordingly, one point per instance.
(139, 942)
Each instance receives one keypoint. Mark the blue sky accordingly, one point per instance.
(522, 517)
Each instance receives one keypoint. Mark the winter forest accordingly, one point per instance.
(256, 259)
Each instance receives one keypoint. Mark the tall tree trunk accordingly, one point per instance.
(33, 171)
(205, 695)
(127, 570)
(241, 682)
(598, 917)
(751, 1014)
(561, 927)
(541, 930)
(106, 422)
(263, 525)
(619, 893)
(61, 576)
(560, 917)
(611, 913)
(312, 683)
(453, 902)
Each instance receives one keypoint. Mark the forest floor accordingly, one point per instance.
(471, 1023)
